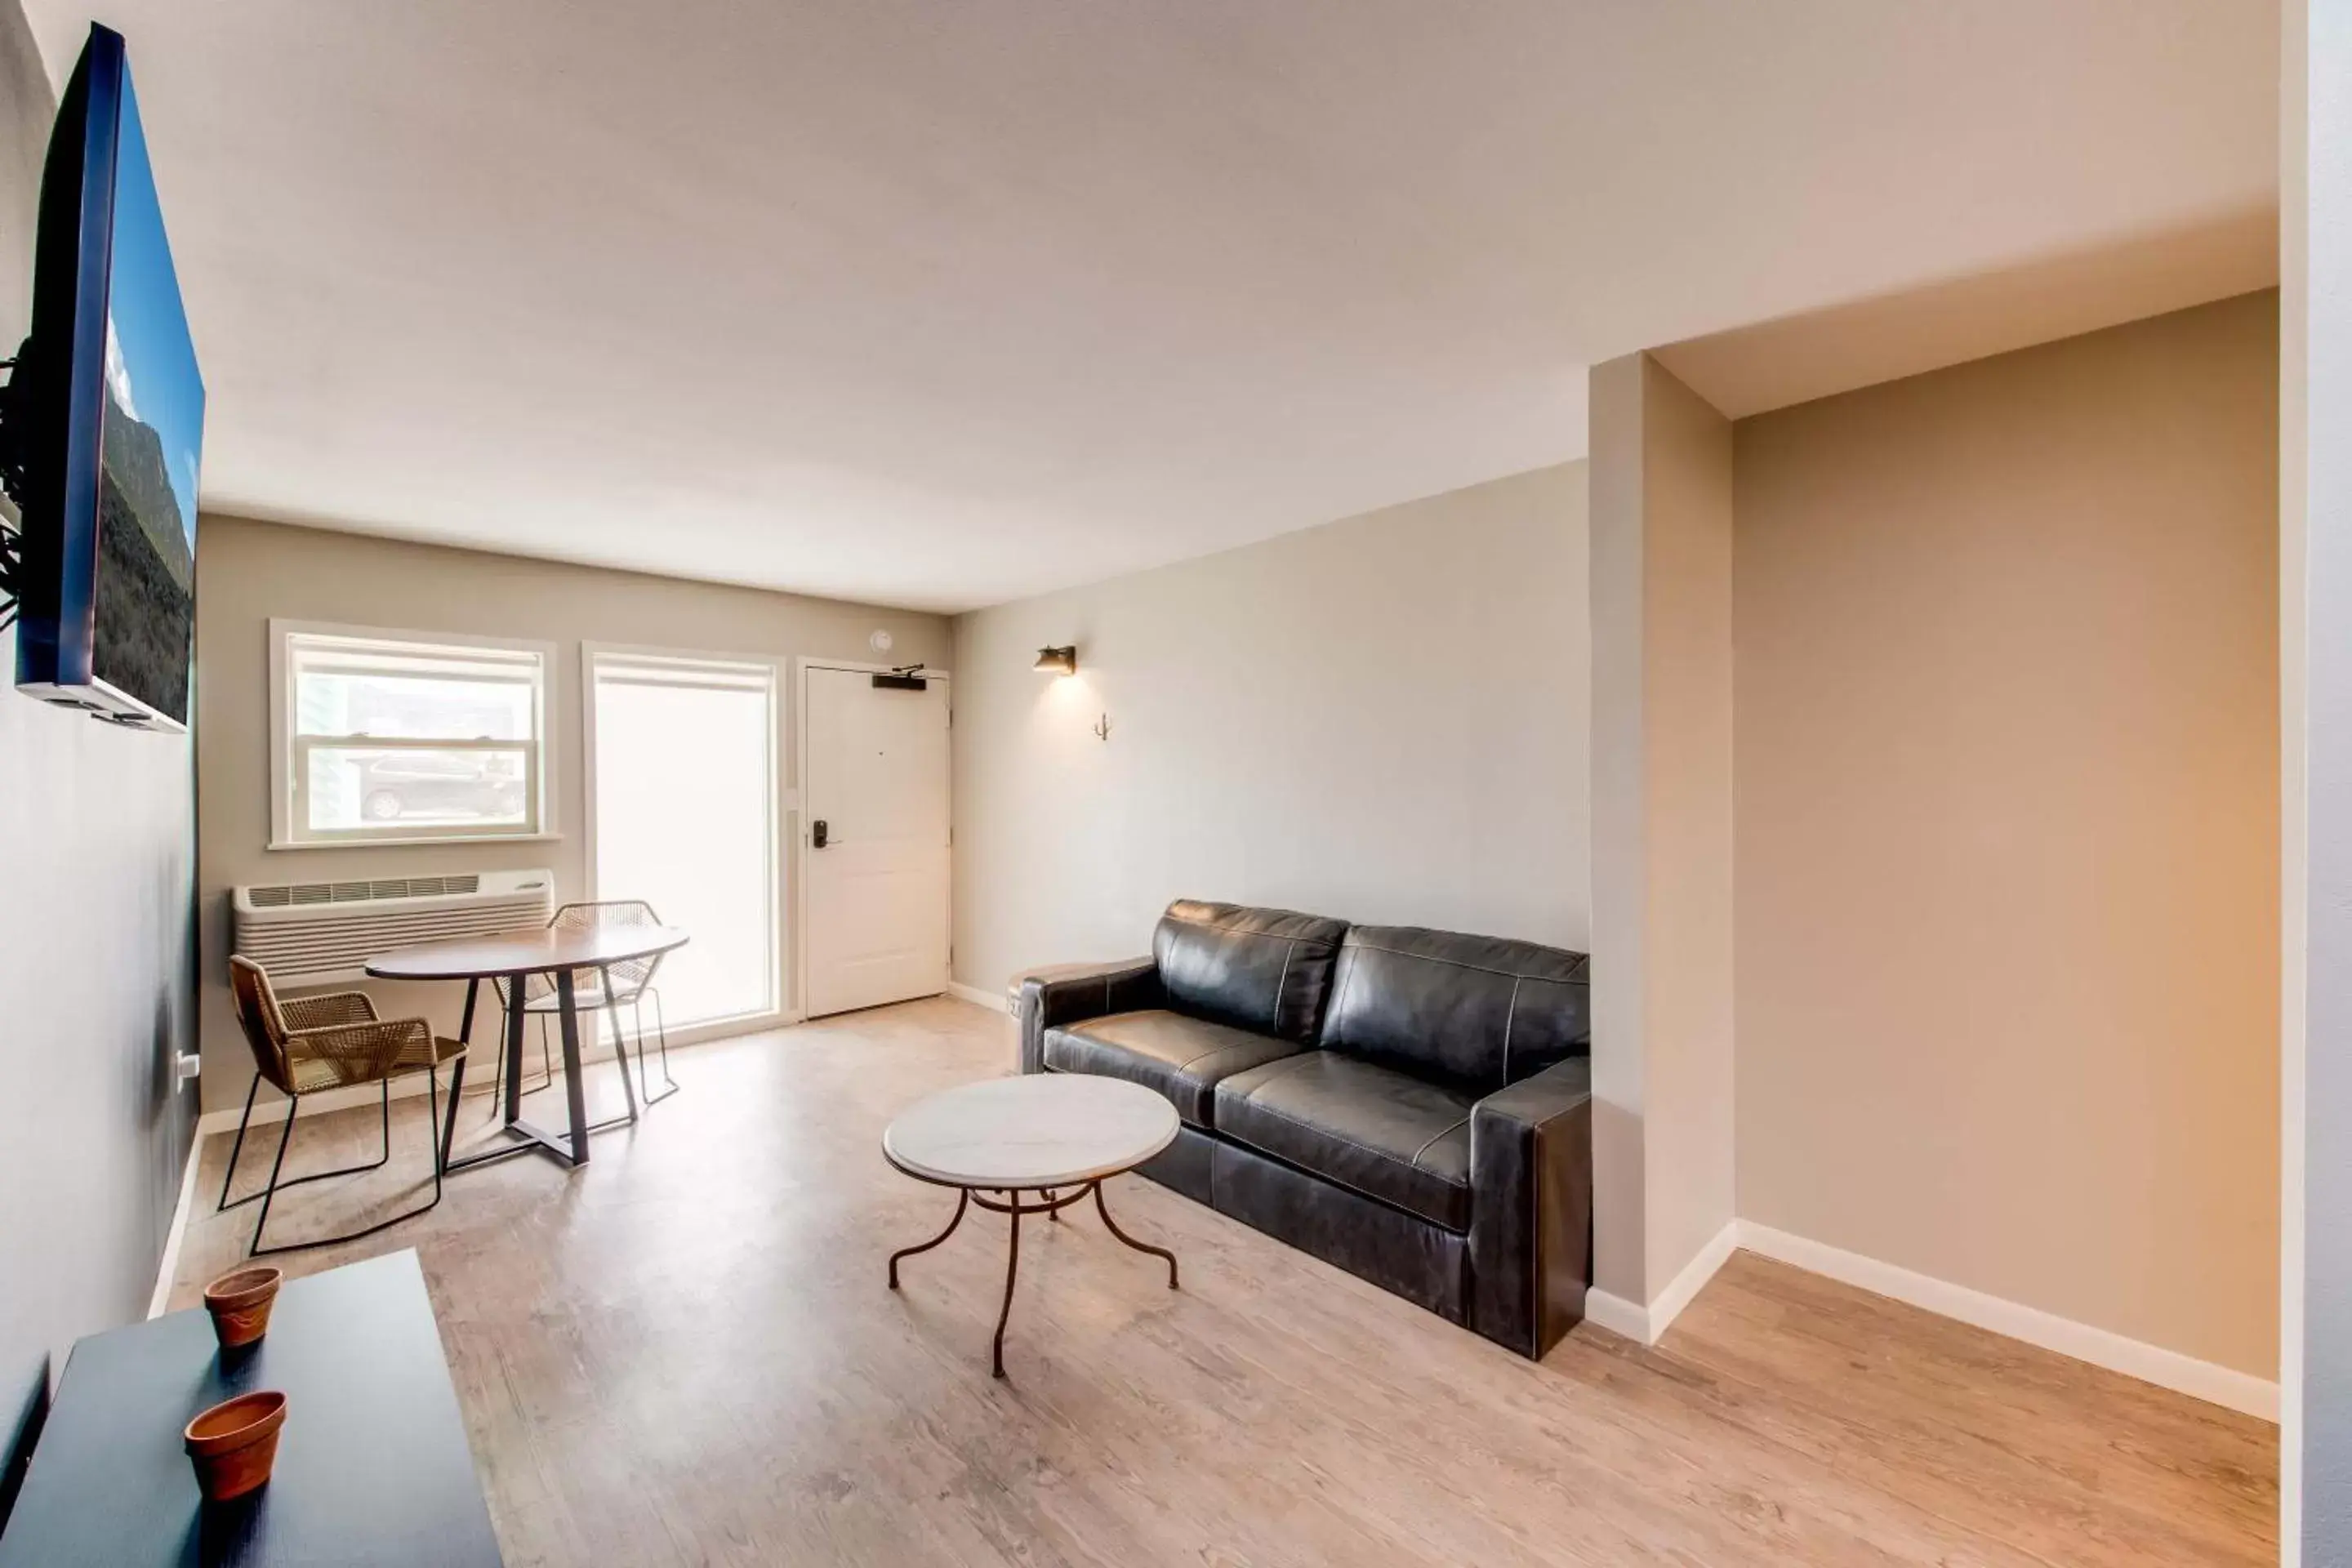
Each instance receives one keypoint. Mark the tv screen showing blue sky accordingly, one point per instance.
(150, 364)
(151, 432)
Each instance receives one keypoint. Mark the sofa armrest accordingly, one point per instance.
(1071, 993)
(1531, 1207)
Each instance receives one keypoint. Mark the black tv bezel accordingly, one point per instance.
(65, 402)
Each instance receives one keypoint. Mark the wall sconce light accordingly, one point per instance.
(1059, 660)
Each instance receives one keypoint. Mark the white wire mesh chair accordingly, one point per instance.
(632, 986)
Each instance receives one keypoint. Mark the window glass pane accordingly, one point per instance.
(359, 787)
(685, 805)
(356, 708)
(339, 690)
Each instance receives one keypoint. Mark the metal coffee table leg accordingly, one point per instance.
(1012, 1269)
(1103, 1209)
(1051, 1202)
(963, 1200)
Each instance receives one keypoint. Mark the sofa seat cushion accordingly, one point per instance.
(1379, 1131)
(1184, 1058)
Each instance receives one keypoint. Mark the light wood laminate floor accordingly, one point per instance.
(685, 1353)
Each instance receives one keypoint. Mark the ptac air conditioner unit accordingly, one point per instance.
(315, 933)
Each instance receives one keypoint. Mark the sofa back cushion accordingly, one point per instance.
(1267, 971)
(1477, 1012)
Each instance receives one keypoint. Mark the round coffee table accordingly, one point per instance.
(1057, 1135)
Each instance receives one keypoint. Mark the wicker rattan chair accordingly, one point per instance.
(632, 986)
(315, 1043)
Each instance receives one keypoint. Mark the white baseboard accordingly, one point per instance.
(992, 1000)
(2222, 1385)
(1645, 1324)
(1684, 1287)
(270, 1108)
(1618, 1315)
(167, 1268)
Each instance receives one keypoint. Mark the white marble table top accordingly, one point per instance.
(1042, 1130)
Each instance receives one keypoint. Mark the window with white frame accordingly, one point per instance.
(386, 736)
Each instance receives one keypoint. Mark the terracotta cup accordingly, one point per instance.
(240, 1304)
(235, 1443)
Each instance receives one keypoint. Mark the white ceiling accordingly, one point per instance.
(943, 302)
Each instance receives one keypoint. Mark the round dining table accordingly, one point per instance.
(514, 958)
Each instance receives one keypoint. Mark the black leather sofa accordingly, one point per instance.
(1411, 1106)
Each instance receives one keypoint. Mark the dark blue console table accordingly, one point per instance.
(372, 1468)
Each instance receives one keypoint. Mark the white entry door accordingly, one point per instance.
(873, 840)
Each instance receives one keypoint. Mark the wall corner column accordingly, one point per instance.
(1661, 505)
(2315, 771)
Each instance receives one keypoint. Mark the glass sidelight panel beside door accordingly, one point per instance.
(684, 799)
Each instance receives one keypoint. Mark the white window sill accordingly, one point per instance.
(438, 840)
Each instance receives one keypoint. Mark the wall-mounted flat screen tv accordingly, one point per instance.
(110, 411)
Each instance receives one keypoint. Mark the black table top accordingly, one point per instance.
(373, 1464)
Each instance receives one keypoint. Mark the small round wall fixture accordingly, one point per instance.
(1058, 660)
(879, 642)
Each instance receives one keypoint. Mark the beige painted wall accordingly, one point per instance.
(2008, 826)
(249, 572)
(1663, 1069)
(1383, 720)
(1688, 675)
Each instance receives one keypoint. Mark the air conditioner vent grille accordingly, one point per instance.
(310, 933)
(288, 895)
